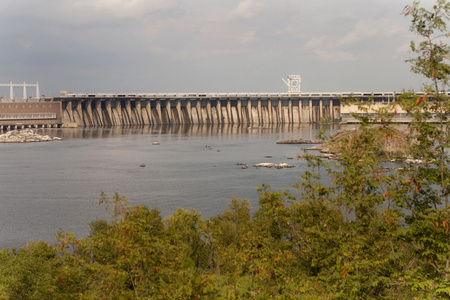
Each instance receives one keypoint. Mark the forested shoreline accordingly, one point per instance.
(350, 229)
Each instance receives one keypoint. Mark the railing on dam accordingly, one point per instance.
(229, 95)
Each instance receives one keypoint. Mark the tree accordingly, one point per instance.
(429, 184)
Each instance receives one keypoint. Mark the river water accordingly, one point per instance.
(55, 185)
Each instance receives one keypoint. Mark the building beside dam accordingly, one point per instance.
(17, 115)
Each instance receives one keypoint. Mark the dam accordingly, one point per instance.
(25, 109)
(252, 109)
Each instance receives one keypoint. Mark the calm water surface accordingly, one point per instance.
(56, 185)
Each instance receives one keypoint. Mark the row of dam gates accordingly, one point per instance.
(184, 109)
(180, 109)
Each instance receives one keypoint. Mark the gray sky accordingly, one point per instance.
(206, 45)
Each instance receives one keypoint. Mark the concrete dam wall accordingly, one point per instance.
(124, 111)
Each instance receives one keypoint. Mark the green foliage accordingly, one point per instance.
(30, 273)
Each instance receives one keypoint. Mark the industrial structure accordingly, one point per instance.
(23, 92)
(293, 82)
(124, 109)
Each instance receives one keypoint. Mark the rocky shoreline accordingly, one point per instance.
(393, 144)
(25, 136)
(299, 141)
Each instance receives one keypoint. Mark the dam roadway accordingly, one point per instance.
(252, 109)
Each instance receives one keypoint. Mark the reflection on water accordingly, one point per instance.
(306, 131)
(47, 186)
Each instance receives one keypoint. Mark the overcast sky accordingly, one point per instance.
(206, 45)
